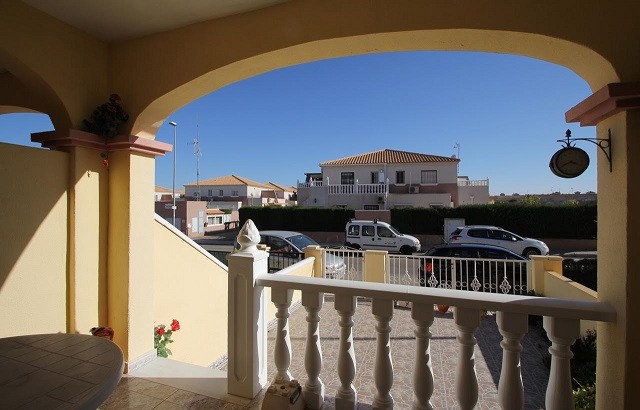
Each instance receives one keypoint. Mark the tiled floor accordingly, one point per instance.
(143, 394)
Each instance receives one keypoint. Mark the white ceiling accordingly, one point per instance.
(117, 20)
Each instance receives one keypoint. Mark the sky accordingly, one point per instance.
(505, 113)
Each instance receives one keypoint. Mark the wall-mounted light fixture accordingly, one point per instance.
(571, 161)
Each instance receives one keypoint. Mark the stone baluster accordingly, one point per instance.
(512, 327)
(562, 333)
(382, 309)
(422, 315)
(467, 321)
(346, 396)
(281, 297)
(313, 391)
(247, 326)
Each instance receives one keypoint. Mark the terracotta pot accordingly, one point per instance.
(443, 308)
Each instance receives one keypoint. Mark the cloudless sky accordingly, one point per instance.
(505, 111)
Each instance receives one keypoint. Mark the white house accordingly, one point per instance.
(236, 189)
(389, 178)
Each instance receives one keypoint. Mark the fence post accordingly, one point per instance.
(375, 266)
(538, 265)
(318, 253)
(247, 327)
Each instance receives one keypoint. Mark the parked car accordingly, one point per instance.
(378, 235)
(287, 248)
(483, 267)
(493, 235)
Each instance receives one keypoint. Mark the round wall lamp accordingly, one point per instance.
(571, 161)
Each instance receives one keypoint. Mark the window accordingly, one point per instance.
(399, 177)
(347, 178)
(374, 177)
(234, 193)
(429, 177)
(221, 193)
(502, 236)
(384, 232)
(210, 192)
(478, 233)
(354, 230)
(368, 230)
(214, 220)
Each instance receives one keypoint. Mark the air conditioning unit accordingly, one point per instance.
(414, 189)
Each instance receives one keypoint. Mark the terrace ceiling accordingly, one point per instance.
(120, 20)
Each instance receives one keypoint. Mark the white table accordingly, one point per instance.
(58, 370)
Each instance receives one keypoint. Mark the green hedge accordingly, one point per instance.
(294, 218)
(568, 222)
(536, 221)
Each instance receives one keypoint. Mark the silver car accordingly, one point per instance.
(287, 248)
(493, 235)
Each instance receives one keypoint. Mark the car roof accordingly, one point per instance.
(481, 226)
(366, 221)
(283, 234)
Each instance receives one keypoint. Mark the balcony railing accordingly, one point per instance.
(247, 366)
(478, 182)
(349, 189)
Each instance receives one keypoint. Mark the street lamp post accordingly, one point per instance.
(173, 208)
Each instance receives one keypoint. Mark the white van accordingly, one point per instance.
(378, 235)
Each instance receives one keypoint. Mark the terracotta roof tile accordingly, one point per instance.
(227, 180)
(388, 156)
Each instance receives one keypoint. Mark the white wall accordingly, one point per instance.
(447, 172)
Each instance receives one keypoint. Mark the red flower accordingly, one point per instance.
(175, 325)
(160, 331)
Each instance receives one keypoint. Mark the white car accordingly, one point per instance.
(493, 235)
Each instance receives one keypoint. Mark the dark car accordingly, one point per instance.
(475, 267)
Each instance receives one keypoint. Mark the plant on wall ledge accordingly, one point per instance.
(107, 118)
(162, 337)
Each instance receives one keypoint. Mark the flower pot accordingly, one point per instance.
(443, 308)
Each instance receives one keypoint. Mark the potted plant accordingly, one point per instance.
(107, 118)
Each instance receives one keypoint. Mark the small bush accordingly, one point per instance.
(585, 398)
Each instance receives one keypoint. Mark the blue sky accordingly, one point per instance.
(505, 111)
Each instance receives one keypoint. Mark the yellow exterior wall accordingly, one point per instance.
(88, 202)
(33, 238)
(557, 286)
(189, 287)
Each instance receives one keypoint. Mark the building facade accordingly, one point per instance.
(389, 178)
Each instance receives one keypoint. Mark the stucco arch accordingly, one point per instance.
(22, 90)
(586, 63)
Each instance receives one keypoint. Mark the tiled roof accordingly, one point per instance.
(277, 187)
(213, 211)
(162, 189)
(389, 156)
(228, 180)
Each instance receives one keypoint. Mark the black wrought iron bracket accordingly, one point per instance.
(603, 143)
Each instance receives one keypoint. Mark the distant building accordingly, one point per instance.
(389, 178)
(233, 188)
(555, 198)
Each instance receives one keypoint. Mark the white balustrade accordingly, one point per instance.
(467, 321)
(247, 334)
(281, 297)
(512, 327)
(562, 333)
(346, 396)
(247, 326)
(382, 309)
(422, 315)
(313, 390)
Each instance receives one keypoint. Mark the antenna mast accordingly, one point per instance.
(198, 153)
(457, 145)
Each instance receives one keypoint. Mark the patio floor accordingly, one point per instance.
(144, 394)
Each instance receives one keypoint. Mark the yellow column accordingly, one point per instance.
(318, 253)
(538, 265)
(375, 265)
(130, 250)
